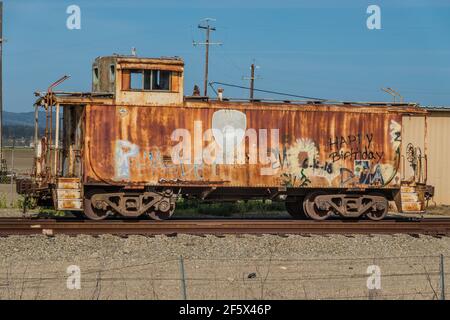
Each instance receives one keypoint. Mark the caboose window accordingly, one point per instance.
(160, 80)
(112, 73)
(95, 75)
(136, 80)
(152, 80)
(148, 80)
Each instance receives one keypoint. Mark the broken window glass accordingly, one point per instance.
(147, 79)
(160, 80)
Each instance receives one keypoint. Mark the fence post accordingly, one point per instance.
(12, 173)
(442, 277)
(183, 279)
(12, 189)
(373, 294)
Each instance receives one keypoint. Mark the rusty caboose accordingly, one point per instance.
(136, 143)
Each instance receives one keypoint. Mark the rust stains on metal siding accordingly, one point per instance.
(318, 146)
(156, 66)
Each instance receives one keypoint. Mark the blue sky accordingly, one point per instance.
(314, 48)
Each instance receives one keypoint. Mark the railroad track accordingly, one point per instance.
(50, 227)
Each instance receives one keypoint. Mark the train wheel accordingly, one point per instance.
(295, 209)
(311, 208)
(380, 209)
(90, 211)
(165, 209)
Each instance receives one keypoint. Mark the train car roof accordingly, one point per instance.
(84, 98)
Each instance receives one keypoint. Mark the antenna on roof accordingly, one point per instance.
(393, 93)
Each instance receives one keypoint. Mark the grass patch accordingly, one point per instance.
(225, 209)
(443, 210)
(51, 213)
(17, 203)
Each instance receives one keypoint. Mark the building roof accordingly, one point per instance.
(436, 108)
(136, 59)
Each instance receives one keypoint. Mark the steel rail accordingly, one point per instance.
(437, 227)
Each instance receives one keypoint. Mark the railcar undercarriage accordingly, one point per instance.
(160, 203)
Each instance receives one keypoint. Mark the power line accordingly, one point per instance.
(230, 62)
(267, 91)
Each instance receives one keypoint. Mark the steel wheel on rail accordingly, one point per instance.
(311, 208)
(295, 208)
(380, 209)
(163, 210)
(90, 211)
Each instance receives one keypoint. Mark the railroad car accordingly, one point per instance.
(136, 143)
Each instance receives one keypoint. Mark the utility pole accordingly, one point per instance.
(252, 79)
(206, 26)
(1, 80)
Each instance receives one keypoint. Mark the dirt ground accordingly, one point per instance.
(20, 160)
(230, 267)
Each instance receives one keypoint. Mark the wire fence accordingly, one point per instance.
(410, 277)
(16, 161)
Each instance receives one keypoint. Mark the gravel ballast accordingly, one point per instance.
(234, 267)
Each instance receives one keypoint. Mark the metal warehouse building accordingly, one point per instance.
(430, 135)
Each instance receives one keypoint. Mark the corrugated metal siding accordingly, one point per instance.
(436, 108)
(135, 146)
(439, 154)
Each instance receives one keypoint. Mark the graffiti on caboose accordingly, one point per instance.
(354, 147)
(222, 143)
(226, 143)
(124, 151)
(351, 159)
(367, 166)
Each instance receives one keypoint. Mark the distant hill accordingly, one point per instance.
(22, 119)
(18, 127)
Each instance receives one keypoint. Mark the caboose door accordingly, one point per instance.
(72, 134)
(414, 148)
